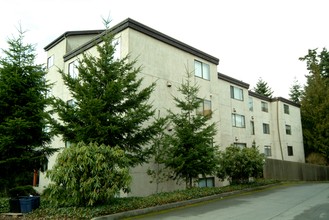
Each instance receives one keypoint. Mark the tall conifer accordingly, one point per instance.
(190, 150)
(111, 106)
(262, 88)
(23, 118)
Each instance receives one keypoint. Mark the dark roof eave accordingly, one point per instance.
(70, 33)
(130, 23)
(232, 80)
(259, 96)
(287, 101)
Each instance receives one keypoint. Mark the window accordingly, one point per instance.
(286, 109)
(267, 151)
(67, 144)
(46, 129)
(290, 151)
(201, 70)
(266, 128)
(204, 108)
(236, 93)
(251, 104)
(73, 70)
(264, 106)
(206, 182)
(240, 145)
(117, 45)
(252, 127)
(288, 129)
(50, 61)
(238, 121)
(71, 103)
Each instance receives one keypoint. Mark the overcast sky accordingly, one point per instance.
(252, 38)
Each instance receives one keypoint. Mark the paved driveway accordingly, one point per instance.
(308, 201)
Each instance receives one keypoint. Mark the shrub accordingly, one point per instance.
(4, 205)
(22, 191)
(239, 164)
(316, 158)
(85, 175)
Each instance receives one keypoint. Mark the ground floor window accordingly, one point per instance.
(267, 151)
(290, 151)
(206, 182)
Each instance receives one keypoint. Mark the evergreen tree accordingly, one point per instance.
(110, 106)
(295, 92)
(190, 151)
(263, 89)
(315, 103)
(23, 119)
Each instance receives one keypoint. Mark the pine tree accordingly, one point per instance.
(315, 103)
(110, 107)
(190, 151)
(295, 92)
(23, 120)
(262, 88)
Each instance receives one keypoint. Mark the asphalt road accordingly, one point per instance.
(307, 201)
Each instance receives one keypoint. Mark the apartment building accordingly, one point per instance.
(243, 118)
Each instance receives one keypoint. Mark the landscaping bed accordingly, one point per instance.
(46, 211)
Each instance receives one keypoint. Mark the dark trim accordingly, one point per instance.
(233, 80)
(71, 33)
(287, 101)
(130, 23)
(256, 95)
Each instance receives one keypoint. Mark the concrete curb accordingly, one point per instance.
(177, 204)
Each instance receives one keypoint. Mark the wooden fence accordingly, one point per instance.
(287, 170)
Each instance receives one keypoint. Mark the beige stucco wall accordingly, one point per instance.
(163, 64)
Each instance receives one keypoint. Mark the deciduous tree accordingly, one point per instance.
(239, 164)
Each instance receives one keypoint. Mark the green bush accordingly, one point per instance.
(85, 175)
(316, 158)
(4, 205)
(22, 191)
(239, 164)
(117, 205)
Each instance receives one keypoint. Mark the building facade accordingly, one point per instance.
(243, 118)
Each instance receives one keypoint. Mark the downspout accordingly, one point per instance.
(278, 127)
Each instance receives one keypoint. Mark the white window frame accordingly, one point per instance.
(264, 106)
(266, 128)
(251, 104)
(238, 121)
(201, 70)
(73, 69)
(268, 150)
(288, 129)
(240, 145)
(203, 110)
(236, 93)
(50, 61)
